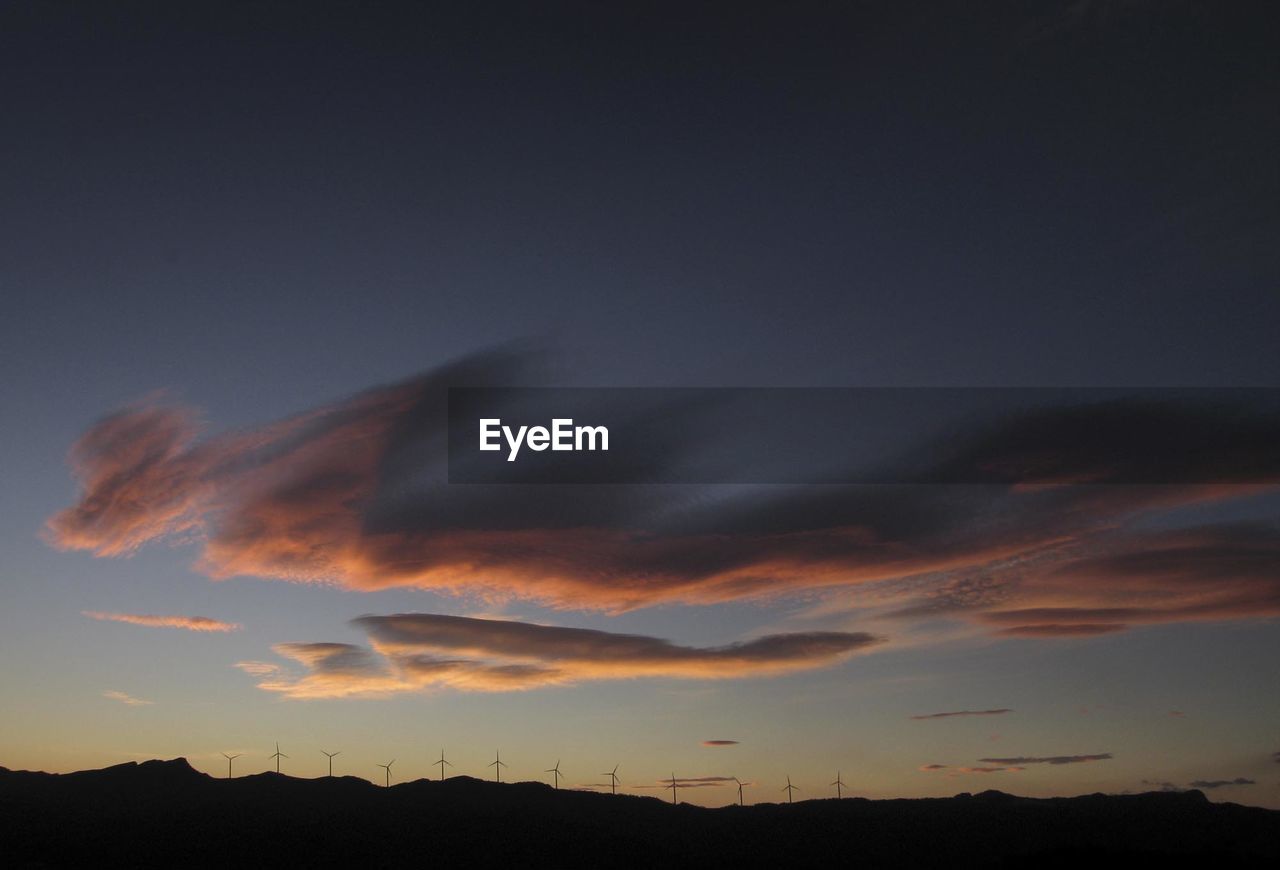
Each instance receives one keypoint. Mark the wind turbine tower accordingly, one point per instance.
(497, 764)
(555, 772)
(330, 755)
(442, 763)
(838, 784)
(673, 782)
(789, 788)
(740, 785)
(613, 779)
(230, 758)
(278, 755)
(387, 768)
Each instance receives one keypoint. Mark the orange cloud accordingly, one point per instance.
(350, 494)
(414, 652)
(258, 669)
(190, 623)
(127, 699)
(1185, 575)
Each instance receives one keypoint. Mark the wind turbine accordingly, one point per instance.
(613, 779)
(497, 764)
(673, 787)
(387, 768)
(555, 771)
(230, 758)
(331, 755)
(442, 763)
(740, 785)
(279, 755)
(789, 788)
(838, 784)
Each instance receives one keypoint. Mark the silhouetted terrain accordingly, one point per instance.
(166, 813)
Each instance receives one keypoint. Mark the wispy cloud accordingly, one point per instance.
(190, 623)
(1205, 784)
(720, 743)
(962, 771)
(1057, 629)
(691, 782)
(1210, 784)
(421, 651)
(997, 712)
(127, 699)
(258, 669)
(309, 499)
(1048, 759)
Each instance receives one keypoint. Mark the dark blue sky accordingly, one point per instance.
(253, 203)
(264, 209)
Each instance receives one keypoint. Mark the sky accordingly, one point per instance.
(244, 247)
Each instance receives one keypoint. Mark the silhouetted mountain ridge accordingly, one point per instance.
(165, 813)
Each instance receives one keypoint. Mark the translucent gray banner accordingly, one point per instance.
(1010, 436)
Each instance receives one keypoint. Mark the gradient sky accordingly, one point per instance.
(220, 218)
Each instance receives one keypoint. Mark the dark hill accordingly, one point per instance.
(164, 813)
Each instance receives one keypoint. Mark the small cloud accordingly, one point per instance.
(1058, 630)
(997, 712)
(1221, 783)
(931, 767)
(691, 782)
(124, 698)
(959, 770)
(720, 743)
(1163, 786)
(418, 652)
(1177, 714)
(258, 669)
(190, 623)
(1048, 759)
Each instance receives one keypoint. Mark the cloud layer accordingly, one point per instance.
(997, 712)
(412, 652)
(126, 699)
(353, 494)
(1050, 759)
(190, 623)
(1210, 784)
(962, 771)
